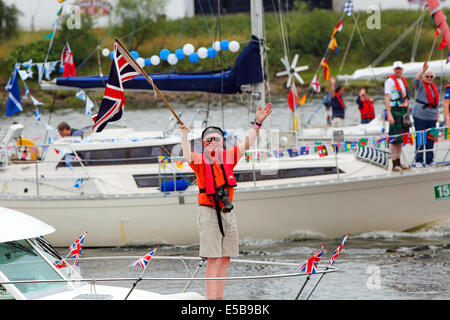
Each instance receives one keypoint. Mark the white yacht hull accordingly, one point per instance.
(328, 208)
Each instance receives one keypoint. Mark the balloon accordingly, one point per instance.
(164, 53)
(155, 60)
(188, 49)
(234, 46)
(193, 57)
(134, 54)
(105, 52)
(212, 53)
(148, 62)
(172, 59)
(180, 54)
(111, 55)
(141, 62)
(216, 45)
(202, 52)
(224, 44)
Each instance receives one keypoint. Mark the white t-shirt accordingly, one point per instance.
(391, 89)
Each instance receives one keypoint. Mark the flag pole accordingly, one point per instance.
(303, 287)
(139, 279)
(195, 273)
(135, 65)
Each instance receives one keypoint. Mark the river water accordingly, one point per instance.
(374, 265)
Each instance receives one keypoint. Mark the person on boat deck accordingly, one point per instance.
(425, 112)
(365, 105)
(337, 104)
(447, 105)
(216, 221)
(396, 100)
(66, 131)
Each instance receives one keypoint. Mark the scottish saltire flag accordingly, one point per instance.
(143, 262)
(14, 104)
(114, 98)
(348, 8)
(311, 264)
(75, 248)
(337, 251)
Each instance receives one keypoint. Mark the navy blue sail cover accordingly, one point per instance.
(247, 70)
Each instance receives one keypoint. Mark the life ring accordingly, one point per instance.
(26, 150)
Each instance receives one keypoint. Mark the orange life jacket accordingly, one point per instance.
(211, 181)
(432, 102)
(367, 111)
(403, 95)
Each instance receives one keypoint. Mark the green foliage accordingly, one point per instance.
(137, 21)
(82, 41)
(8, 20)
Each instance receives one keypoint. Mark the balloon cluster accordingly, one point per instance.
(188, 50)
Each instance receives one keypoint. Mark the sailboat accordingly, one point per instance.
(131, 191)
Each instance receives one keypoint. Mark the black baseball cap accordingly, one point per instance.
(212, 128)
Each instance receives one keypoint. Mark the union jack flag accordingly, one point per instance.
(75, 248)
(143, 262)
(311, 264)
(60, 264)
(114, 98)
(338, 251)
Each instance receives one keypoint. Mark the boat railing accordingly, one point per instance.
(319, 272)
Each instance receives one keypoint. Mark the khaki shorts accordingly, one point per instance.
(212, 243)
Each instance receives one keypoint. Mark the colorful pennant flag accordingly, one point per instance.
(322, 150)
(363, 142)
(311, 264)
(326, 69)
(75, 248)
(315, 84)
(333, 45)
(60, 264)
(338, 251)
(144, 261)
(293, 152)
(304, 150)
(67, 62)
(338, 28)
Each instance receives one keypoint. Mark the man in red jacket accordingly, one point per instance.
(215, 179)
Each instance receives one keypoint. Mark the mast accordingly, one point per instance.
(257, 20)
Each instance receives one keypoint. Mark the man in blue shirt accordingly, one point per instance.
(66, 131)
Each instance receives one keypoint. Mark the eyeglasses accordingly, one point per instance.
(431, 77)
(216, 139)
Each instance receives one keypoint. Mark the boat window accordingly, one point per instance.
(154, 180)
(20, 261)
(105, 157)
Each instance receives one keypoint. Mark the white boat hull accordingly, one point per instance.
(328, 208)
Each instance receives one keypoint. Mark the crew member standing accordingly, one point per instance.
(396, 100)
(365, 105)
(425, 113)
(215, 179)
(337, 104)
